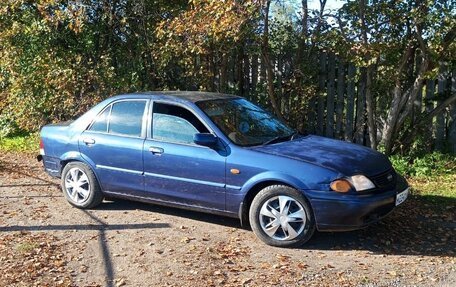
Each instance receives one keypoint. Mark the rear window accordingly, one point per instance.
(101, 122)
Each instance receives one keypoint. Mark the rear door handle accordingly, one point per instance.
(88, 141)
(156, 150)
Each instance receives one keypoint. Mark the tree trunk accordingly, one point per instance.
(267, 61)
(304, 20)
(417, 105)
(370, 108)
(395, 107)
(407, 138)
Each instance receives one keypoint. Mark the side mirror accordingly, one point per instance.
(205, 139)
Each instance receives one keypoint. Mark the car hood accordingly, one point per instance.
(341, 156)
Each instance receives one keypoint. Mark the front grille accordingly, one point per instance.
(385, 180)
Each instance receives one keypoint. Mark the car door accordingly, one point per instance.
(177, 170)
(113, 144)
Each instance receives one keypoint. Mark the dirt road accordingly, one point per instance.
(46, 242)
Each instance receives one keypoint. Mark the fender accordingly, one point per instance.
(73, 155)
(273, 176)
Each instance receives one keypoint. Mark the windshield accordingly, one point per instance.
(245, 123)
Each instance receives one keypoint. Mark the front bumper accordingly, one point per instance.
(340, 212)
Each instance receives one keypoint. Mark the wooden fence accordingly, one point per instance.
(338, 108)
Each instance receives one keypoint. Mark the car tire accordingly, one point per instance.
(281, 216)
(80, 186)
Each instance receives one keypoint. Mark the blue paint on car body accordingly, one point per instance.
(198, 177)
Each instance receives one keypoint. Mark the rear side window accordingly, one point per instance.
(101, 123)
(175, 124)
(126, 118)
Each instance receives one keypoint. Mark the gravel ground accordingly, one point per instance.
(46, 242)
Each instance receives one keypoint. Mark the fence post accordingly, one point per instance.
(330, 96)
(350, 102)
(360, 103)
(340, 97)
(429, 106)
(452, 127)
(254, 81)
(321, 94)
(440, 121)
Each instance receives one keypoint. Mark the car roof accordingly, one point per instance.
(189, 96)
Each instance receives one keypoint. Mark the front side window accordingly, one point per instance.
(126, 118)
(245, 123)
(175, 124)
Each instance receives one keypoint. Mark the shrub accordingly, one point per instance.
(430, 164)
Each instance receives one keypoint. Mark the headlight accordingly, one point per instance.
(360, 182)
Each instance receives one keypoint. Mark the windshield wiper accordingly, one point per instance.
(294, 135)
(280, 138)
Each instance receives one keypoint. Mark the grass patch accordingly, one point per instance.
(432, 176)
(26, 247)
(22, 143)
(437, 189)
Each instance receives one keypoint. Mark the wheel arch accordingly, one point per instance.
(77, 157)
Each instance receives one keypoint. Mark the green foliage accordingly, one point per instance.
(428, 165)
(431, 175)
(23, 143)
(59, 57)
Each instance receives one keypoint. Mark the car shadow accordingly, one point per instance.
(415, 228)
(122, 204)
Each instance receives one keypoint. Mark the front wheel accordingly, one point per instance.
(281, 216)
(80, 186)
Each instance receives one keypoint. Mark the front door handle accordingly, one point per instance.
(88, 141)
(156, 150)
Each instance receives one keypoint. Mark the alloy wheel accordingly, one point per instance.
(282, 218)
(77, 185)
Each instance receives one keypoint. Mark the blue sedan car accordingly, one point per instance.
(220, 154)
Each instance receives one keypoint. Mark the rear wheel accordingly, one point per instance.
(80, 185)
(281, 216)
